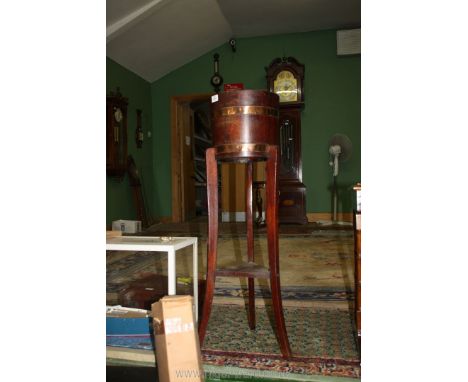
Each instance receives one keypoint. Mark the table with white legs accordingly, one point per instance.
(158, 244)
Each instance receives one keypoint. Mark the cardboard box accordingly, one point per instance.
(127, 226)
(177, 348)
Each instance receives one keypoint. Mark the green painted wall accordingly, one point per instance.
(332, 95)
(119, 202)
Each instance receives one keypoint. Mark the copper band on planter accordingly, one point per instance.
(247, 110)
(237, 148)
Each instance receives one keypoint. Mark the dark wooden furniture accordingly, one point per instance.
(143, 292)
(357, 263)
(116, 134)
(245, 129)
(137, 192)
(285, 76)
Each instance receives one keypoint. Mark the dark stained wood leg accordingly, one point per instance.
(212, 194)
(273, 249)
(259, 201)
(250, 240)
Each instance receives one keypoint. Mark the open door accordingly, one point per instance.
(187, 166)
(183, 157)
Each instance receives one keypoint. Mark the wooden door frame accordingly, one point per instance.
(176, 152)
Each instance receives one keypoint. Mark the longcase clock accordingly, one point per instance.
(116, 134)
(285, 77)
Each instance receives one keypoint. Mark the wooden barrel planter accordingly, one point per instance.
(244, 123)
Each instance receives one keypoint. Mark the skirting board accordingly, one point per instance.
(237, 216)
(311, 216)
(321, 216)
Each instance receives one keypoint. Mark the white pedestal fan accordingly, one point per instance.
(339, 148)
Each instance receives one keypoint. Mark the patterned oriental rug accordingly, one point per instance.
(322, 341)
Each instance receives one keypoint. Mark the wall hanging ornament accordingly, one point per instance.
(216, 79)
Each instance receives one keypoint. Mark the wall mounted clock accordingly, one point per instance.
(116, 134)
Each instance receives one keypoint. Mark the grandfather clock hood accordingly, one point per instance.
(286, 72)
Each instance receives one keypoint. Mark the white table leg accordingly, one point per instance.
(195, 277)
(171, 272)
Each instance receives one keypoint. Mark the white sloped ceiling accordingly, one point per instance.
(154, 37)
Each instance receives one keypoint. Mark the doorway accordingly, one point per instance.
(202, 140)
(190, 137)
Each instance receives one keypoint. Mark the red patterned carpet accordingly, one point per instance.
(322, 341)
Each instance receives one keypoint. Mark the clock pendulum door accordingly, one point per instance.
(292, 190)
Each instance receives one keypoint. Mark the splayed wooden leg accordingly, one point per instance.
(273, 250)
(212, 190)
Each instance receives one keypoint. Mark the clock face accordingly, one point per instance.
(118, 114)
(216, 80)
(285, 85)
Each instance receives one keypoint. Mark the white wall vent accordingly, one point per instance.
(348, 41)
